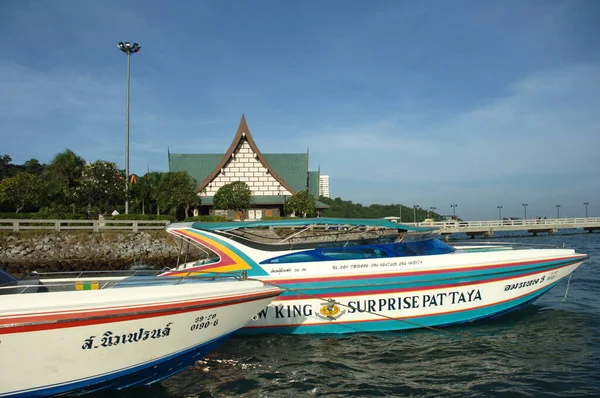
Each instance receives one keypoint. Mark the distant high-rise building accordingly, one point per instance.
(324, 186)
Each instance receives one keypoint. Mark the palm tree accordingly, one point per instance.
(139, 192)
(65, 171)
(154, 179)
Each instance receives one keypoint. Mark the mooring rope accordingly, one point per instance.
(567, 290)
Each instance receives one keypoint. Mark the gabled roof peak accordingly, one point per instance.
(243, 132)
(243, 127)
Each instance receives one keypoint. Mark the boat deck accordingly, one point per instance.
(93, 280)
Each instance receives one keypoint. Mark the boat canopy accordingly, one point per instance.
(294, 222)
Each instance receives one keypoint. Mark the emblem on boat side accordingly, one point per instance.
(330, 311)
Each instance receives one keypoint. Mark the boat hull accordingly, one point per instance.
(385, 287)
(104, 343)
(399, 306)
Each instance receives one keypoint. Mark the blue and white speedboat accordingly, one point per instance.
(75, 335)
(358, 275)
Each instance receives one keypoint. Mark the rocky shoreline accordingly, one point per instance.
(48, 251)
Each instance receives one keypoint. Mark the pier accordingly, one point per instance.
(534, 226)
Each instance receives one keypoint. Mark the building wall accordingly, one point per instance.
(245, 166)
(254, 213)
(324, 186)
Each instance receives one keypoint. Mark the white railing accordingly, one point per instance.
(511, 225)
(16, 225)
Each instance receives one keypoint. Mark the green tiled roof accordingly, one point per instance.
(313, 183)
(198, 166)
(321, 205)
(292, 167)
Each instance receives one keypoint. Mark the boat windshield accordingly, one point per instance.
(425, 247)
(6, 278)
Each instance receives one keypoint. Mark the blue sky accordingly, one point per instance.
(474, 103)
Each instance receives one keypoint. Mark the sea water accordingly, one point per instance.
(550, 348)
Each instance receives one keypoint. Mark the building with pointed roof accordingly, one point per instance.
(272, 178)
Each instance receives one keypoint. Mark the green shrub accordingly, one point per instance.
(131, 217)
(277, 218)
(42, 216)
(154, 217)
(208, 219)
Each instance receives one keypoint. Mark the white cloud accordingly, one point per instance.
(50, 110)
(529, 129)
(539, 142)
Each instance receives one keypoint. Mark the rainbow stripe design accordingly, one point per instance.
(230, 258)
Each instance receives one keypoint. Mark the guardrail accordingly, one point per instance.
(16, 225)
(511, 225)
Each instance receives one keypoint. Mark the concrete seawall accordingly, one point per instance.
(44, 251)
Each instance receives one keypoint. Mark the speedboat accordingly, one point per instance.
(363, 275)
(76, 334)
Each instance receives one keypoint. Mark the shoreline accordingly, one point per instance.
(46, 251)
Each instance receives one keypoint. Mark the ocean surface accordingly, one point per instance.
(548, 349)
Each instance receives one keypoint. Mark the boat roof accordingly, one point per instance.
(362, 222)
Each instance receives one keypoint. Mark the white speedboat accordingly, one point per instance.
(74, 335)
(358, 275)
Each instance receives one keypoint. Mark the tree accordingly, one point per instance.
(153, 180)
(5, 161)
(23, 191)
(4, 165)
(177, 190)
(139, 193)
(102, 187)
(33, 166)
(7, 169)
(63, 175)
(301, 202)
(234, 196)
(347, 209)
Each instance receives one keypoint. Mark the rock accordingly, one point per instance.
(71, 250)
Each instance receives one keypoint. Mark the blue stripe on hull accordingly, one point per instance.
(145, 374)
(412, 323)
(417, 281)
(393, 284)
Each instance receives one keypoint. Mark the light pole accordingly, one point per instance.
(586, 205)
(432, 209)
(454, 211)
(499, 212)
(128, 49)
(557, 211)
(415, 213)
(525, 208)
